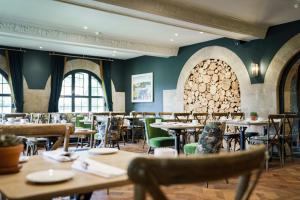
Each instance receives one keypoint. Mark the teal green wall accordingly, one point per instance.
(36, 68)
(166, 70)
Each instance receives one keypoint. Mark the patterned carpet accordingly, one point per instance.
(277, 183)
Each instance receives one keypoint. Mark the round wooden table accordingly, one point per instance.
(177, 128)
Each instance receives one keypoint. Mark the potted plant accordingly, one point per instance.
(11, 147)
(253, 116)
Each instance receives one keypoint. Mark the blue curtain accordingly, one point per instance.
(15, 60)
(107, 83)
(57, 76)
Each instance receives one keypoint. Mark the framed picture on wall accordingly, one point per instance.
(142, 87)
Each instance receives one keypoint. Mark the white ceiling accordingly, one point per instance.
(130, 36)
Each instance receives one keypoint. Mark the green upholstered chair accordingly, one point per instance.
(157, 137)
(78, 122)
(81, 124)
(190, 149)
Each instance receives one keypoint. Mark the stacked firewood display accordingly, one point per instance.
(212, 87)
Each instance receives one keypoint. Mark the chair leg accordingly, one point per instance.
(144, 143)
(228, 145)
(149, 150)
(78, 139)
(226, 180)
(206, 184)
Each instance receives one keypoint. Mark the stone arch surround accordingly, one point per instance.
(226, 55)
(275, 69)
(82, 64)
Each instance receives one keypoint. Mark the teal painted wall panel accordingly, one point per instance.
(166, 70)
(36, 68)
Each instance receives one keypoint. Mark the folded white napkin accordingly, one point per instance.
(100, 169)
(61, 156)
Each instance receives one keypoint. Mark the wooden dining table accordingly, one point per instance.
(15, 186)
(41, 130)
(176, 128)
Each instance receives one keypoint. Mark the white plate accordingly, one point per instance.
(50, 176)
(103, 151)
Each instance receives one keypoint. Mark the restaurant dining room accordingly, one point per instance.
(149, 99)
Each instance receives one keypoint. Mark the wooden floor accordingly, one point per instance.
(277, 183)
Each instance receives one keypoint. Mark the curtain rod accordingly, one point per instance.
(86, 57)
(1, 48)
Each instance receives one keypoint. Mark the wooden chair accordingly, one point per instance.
(274, 136)
(149, 114)
(232, 133)
(201, 117)
(182, 117)
(113, 131)
(217, 116)
(149, 173)
(165, 115)
(137, 126)
(122, 130)
(288, 135)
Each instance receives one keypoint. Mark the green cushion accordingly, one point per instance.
(190, 148)
(162, 142)
(77, 122)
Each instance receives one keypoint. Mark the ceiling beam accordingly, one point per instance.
(175, 14)
(29, 31)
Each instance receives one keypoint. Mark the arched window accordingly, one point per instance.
(81, 92)
(5, 94)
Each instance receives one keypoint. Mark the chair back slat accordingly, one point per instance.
(149, 114)
(216, 116)
(276, 122)
(289, 123)
(201, 117)
(182, 116)
(237, 115)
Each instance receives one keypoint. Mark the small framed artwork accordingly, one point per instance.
(142, 88)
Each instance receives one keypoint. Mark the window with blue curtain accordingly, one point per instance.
(81, 92)
(5, 94)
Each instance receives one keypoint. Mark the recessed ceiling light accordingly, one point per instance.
(85, 27)
(97, 33)
(40, 47)
(201, 32)
(176, 34)
(296, 5)
(171, 40)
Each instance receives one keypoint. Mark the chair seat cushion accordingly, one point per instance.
(162, 142)
(190, 148)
